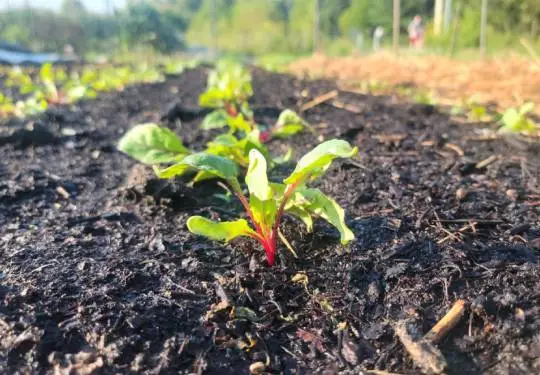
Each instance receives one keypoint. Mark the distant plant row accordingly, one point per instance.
(38, 89)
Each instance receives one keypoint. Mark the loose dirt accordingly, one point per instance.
(506, 82)
(98, 273)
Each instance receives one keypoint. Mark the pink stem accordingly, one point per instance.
(286, 197)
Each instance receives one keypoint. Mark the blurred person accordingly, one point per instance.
(416, 32)
(377, 37)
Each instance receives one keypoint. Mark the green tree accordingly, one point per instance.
(366, 15)
(145, 25)
(301, 25)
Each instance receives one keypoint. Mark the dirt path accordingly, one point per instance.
(98, 272)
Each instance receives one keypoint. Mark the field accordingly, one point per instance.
(503, 82)
(99, 274)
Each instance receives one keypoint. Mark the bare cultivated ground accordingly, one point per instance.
(508, 81)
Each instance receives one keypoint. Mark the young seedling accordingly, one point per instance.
(235, 149)
(515, 120)
(288, 124)
(229, 88)
(6, 105)
(268, 202)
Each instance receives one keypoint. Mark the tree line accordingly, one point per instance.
(256, 26)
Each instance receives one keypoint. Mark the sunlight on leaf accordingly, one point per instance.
(152, 144)
(219, 231)
(256, 177)
(317, 161)
(321, 205)
(215, 120)
(217, 165)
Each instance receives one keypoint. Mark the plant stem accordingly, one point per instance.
(288, 192)
(235, 185)
(231, 109)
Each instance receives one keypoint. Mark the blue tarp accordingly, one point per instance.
(22, 58)
(14, 54)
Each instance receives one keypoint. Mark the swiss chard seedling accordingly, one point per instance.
(515, 120)
(229, 88)
(268, 202)
(288, 124)
(6, 105)
(235, 149)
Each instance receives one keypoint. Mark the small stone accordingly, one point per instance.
(512, 194)
(461, 194)
(257, 368)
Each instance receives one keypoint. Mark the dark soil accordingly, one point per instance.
(98, 273)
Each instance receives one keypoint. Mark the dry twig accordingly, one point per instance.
(484, 163)
(447, 323)
(423, 351)
(319, 100)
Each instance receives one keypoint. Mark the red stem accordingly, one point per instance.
(231, 109)
(288, 192)
(267, 240)
(245, 203)
(271, 244)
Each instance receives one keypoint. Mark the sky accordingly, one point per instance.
(91, 5)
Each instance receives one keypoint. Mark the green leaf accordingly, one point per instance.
(288, 117)
(178, 169)
(152, 144)
(284, 158)
(239, 123)
(202, 176)
(46, 73)
(256, 178)
(211, 98)
(303, 215)
(526, 108)
(288, 124)
(317, 161)
(264, 211)
(28, 88)
(215, 120)
(217, 165)
(219, 231)
(227, 145)
(477, 113)
(516, 121)
(510, 118)
(326, 208)
(287, 130)
(224, 140)
(261, 200)
(77, 92)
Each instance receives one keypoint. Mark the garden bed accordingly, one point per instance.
(99, 273)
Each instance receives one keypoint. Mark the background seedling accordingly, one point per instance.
(515, 120)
